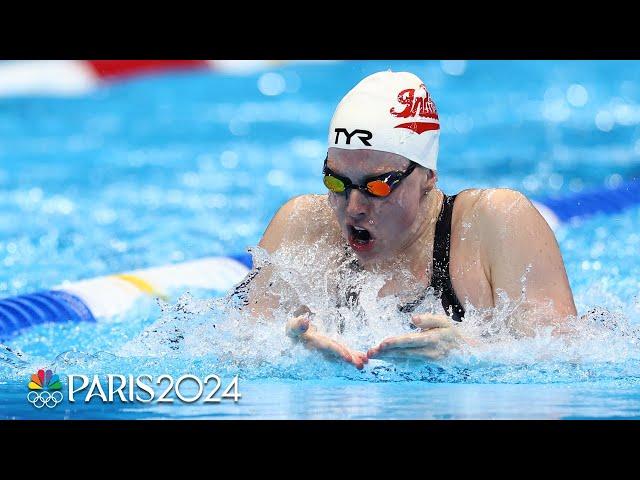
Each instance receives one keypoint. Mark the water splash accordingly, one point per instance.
(11, 358)
(518, 342)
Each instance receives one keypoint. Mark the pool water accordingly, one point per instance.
(179, 166)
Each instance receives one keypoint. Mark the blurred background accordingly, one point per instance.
(108, 166)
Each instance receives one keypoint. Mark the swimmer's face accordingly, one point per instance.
(391, 222)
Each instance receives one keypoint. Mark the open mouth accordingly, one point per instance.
(360, 239)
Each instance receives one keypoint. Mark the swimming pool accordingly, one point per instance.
(162, 169)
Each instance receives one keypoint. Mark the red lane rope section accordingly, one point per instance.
(108, 69)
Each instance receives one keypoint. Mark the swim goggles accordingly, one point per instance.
(378, 186)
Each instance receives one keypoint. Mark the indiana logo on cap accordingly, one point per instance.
(417, 106)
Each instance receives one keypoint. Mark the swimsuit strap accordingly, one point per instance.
(440, 279)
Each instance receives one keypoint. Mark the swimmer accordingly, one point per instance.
(384, 205)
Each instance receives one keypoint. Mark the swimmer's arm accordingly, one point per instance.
(283, 227)
(523, 256)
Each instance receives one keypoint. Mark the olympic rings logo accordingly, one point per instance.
(40, 399)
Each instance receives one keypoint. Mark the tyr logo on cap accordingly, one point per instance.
(363, 135)
(417, 106)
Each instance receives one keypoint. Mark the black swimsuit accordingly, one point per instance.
(440, 279)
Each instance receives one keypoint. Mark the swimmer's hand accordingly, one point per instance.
(300, 328)
(436, 338)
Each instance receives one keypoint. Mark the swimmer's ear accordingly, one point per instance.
(429, 181)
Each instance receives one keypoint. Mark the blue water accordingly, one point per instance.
(181, 166)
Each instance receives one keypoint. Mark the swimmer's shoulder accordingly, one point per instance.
(465, 214)
(494, 212)
(493, 204)
(301, 220)
(491, 222)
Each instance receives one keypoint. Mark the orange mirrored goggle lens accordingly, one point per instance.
(378, 188)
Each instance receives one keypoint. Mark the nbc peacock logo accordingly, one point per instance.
(44, 389)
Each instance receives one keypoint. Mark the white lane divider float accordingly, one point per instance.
(104, 297)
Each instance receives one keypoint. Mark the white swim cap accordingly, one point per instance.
(390, 112)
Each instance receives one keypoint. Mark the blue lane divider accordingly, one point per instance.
(17, 313)
(593, 201)
(25, 311)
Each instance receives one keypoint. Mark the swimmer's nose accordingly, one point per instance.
(357, 204)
